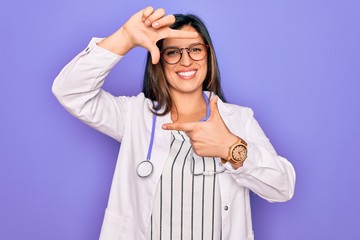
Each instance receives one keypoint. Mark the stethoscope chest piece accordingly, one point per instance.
(144, 169)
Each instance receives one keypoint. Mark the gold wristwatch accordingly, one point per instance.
(237, 152)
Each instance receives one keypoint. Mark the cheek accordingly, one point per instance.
(204, 70)
(167, 68)
(170, 75)
(168, 72)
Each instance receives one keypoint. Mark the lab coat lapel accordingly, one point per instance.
(161, 146)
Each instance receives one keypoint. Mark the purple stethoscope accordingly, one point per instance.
(146, 168)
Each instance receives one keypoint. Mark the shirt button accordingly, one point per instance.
(226, 208)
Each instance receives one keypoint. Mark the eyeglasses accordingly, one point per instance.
(203, 173)
(196, 51)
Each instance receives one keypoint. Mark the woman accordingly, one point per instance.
(187, 160)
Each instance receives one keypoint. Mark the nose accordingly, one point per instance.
(185, 58)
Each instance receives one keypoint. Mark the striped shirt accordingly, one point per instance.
(186, 206)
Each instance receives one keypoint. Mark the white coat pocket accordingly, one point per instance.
(114, 226)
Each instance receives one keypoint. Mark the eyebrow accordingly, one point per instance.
(183, 47)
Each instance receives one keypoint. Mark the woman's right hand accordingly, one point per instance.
(144, 29)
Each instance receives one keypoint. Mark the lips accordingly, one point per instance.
(187, 74)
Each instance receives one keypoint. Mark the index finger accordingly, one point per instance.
(171, 33)
(186, 127)
(158, 19)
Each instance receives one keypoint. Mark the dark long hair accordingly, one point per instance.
(155, 86)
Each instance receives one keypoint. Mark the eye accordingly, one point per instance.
(171, 52)
(197, 49)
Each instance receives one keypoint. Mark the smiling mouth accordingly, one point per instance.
(187, 73)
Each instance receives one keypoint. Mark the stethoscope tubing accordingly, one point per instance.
(146, 168)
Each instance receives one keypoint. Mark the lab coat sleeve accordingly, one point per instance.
(264, 172)
(78, 89)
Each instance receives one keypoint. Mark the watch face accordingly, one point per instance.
(239, 153)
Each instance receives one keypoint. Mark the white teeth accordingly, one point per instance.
(186, 74)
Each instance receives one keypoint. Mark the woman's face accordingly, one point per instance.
(186, 76)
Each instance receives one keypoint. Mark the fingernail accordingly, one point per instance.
(155, 24)
(147, 23)
(164, 127)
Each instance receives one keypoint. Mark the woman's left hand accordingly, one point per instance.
(211, 138)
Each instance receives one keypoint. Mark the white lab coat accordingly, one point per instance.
(128, 120)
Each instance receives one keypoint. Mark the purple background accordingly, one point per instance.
(296, 63)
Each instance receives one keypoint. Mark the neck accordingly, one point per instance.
(189, 107)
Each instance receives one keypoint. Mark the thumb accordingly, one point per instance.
(214, 110)
(155, 54)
